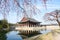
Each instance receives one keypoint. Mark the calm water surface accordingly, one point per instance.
(13, 35)
(45, 31)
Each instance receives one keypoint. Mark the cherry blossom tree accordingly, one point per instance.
(53, 16)
(19, 6)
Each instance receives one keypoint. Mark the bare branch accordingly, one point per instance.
(53, 16)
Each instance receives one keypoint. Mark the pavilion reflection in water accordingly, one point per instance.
(28, 26)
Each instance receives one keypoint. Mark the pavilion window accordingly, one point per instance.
(31, 25)
(34, 25)
(26, 24)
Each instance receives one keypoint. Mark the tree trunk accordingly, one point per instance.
(58, 22)
(59, 25)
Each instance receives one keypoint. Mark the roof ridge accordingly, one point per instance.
(24, 19)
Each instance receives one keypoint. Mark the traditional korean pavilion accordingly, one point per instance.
(27, 26)
(30, 22)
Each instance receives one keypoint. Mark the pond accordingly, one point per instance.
(13, 35)
(45, 31)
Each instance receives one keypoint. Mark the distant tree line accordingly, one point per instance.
(3, 23)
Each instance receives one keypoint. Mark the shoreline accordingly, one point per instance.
(53, 35)
(32, 38)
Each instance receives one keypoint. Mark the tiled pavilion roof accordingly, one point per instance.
(25, 19)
